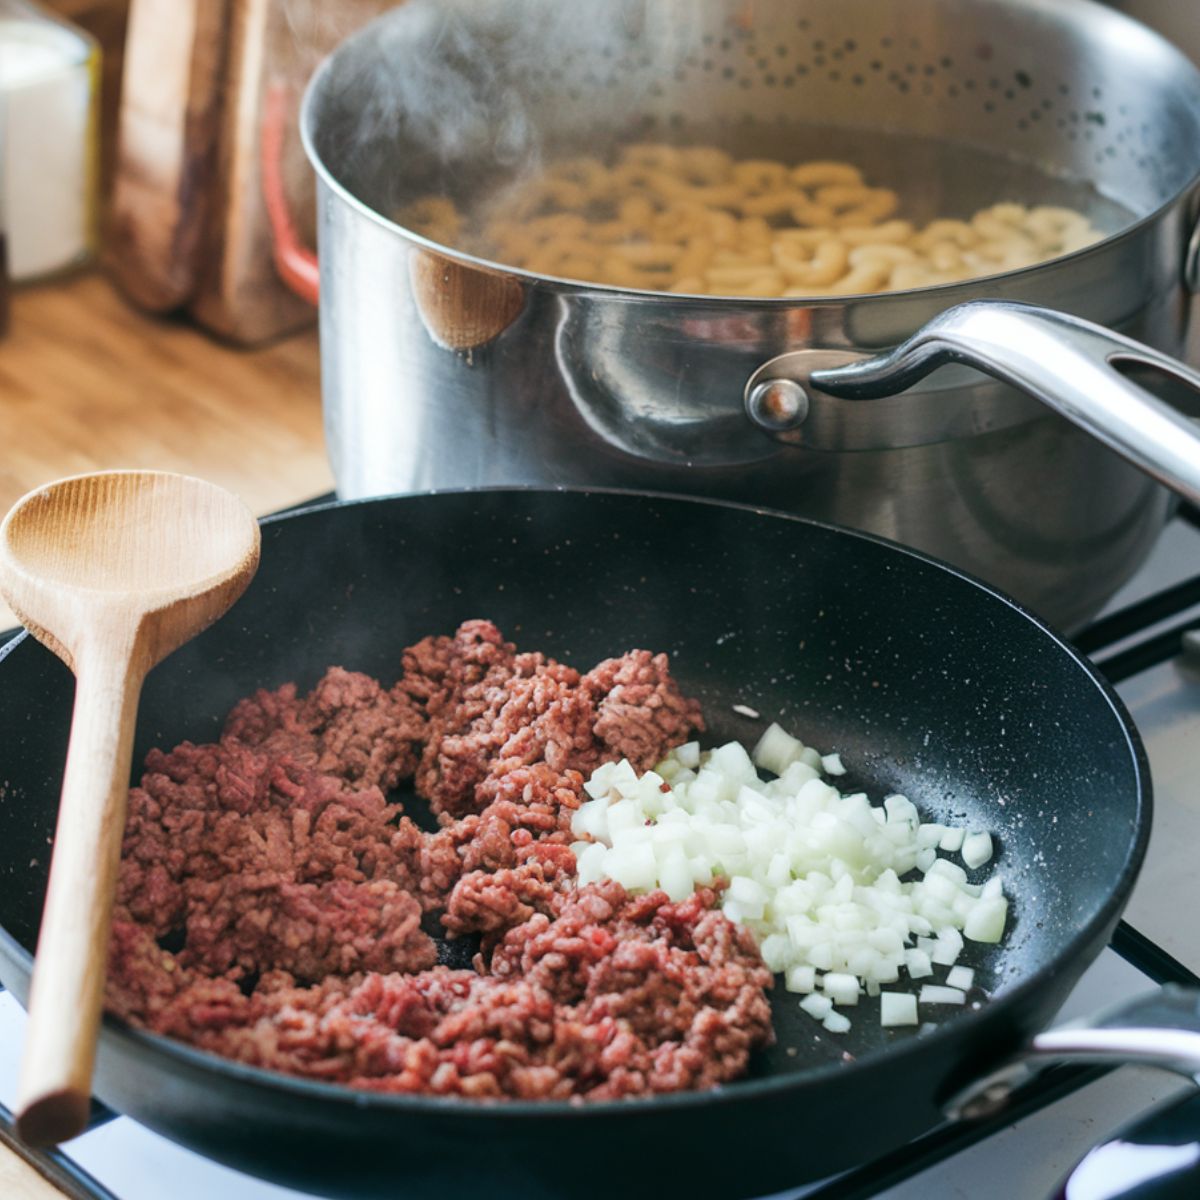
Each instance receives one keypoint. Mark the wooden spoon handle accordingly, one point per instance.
(67, 991)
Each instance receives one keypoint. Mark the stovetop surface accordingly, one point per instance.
(1138, 643)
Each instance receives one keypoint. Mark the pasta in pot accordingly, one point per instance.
(692, 219)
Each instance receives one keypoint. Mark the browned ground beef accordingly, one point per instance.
(291, 891)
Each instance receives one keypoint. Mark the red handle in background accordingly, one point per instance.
(295, 262)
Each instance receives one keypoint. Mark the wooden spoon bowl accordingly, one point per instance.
(112, 572)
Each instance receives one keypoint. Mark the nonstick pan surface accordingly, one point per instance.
(927, 682)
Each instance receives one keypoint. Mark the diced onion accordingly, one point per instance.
(976, 849)
(776, 750)
(840, 988)
(817, 1006)
(931, 993)
(918, 964)
(962, 978)
(633, 867)
(800, 979)
(842, 896)
(952, 841)
(949, 946)
(986, 920)
(897, 1008)
(831, 764)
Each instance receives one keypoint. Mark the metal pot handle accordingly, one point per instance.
(1065, 362)
(1157, 1029)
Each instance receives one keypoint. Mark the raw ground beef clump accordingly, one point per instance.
(274, 904)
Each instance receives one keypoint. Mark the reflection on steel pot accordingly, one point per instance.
(956, 103)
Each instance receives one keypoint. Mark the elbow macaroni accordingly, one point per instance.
(691, 219)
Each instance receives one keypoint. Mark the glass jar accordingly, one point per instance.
(49, 141)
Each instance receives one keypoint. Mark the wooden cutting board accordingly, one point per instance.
(175, 53)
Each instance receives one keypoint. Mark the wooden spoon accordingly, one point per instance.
(112, 572)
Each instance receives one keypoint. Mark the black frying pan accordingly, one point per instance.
(926, 681)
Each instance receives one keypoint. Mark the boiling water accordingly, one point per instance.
(932, 179)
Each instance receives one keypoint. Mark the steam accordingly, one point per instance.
(455, 91)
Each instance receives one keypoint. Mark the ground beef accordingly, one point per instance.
(348, 726)
(492, 710)
(493, 902)
(271, 896)
(614, 996)
(260, 862)
(639, 710)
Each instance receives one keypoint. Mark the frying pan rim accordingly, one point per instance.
(967, 288)
(306, 1090)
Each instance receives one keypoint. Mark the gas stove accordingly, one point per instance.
(1139, 643)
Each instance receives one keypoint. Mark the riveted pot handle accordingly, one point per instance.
(1065, 362)
(1158, 1029)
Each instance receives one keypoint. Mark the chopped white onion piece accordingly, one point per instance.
(800, 979)
(945, 869)
(917, 964)
(776, 952)
(901, 809)
(931, 993)
(835, 1022)
(633, 867)
(929, 835)
(840, 988)
(952, 840)
(776, 750)
(590, 863)
(949, 946)
(817, 1006)
(987, 919)
(623, 815)
(976, 849)
(886, 970)
(675, 875)
(821, 956)
(747, 893)
(960, 977)
(897, 1008)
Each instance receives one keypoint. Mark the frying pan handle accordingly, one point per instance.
(1065, 362)
(1159, 1029)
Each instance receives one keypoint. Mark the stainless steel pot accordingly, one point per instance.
(1174, 20)
(443, 370)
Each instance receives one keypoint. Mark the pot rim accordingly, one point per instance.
(953, 293)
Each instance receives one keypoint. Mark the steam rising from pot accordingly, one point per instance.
(465, 89)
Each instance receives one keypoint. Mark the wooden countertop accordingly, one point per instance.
(19, 1181)
(87, 383)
